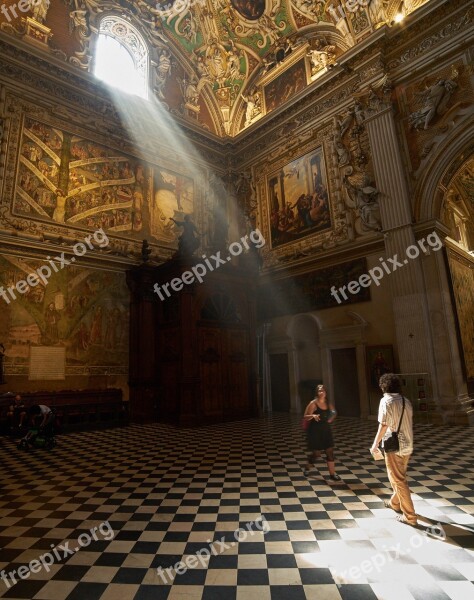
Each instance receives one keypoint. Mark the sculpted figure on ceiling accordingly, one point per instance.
(163, 70)
(254, 106)
(321, 55)
(311, 8)
(40, 10)
(435, 98)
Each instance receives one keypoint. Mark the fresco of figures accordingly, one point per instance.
(286, 85)
(83, 310)
(298, 199)
(67, 179)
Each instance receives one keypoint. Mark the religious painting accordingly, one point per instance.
(299, 199)
(81, 310)
(461, 269)
(249, 9)
(310, 291)
(172, 198)
(379, 362)
(71, 180)
(65, 178)
(286, 85)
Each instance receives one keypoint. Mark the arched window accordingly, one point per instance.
(121, 57)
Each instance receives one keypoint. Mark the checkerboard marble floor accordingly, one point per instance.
(169, 493)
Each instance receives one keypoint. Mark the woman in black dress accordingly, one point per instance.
(320, 415)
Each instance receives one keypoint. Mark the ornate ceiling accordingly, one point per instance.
(226, 63)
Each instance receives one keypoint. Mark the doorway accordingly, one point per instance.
(280, 382)
(345, 382)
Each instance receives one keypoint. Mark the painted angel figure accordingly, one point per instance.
(40, 10)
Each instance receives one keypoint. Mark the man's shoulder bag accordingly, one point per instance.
(392, 443)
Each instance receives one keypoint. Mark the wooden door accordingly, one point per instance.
(280, 382)
(345, 382)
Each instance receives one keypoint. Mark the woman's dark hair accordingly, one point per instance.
(34, 410)
(389, 382)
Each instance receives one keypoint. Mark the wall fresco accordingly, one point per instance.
(83, 310)
(65, 178)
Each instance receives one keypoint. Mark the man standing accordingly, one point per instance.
(391, 419)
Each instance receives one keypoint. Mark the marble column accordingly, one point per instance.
(411, 317)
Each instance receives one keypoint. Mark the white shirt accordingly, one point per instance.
(390, 411)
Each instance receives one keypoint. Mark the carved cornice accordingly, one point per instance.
(412, 43)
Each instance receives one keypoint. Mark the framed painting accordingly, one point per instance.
(379, 361)
(310, 291)
(298, 199)
(284, 86)
(251, 10)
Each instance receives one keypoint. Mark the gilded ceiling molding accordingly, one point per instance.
(413, 49)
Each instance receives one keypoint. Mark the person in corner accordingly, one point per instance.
(390, 413)
(42, 417)
(320, 413)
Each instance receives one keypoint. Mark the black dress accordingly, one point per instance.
(319, 433)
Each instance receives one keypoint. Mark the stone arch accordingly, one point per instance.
(449, 154)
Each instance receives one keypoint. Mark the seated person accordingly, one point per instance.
(41, 416)
(16, 413)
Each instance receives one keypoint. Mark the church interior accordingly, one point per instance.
(207, 209)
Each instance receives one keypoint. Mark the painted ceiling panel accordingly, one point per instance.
(222, 53)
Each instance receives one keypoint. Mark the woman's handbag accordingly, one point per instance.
(392, 443)
(305, 424)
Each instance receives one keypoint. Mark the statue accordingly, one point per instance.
(162, 72)
(365, 200)
(321, 56)
(378, 12)
(39, 10)
(191, 94)
(436, 99)
(146, 251)
(346, 122)
(343, 155)
(233, 62)
(188, 241)
(253, 106)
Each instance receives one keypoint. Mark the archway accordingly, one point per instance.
(306, 350)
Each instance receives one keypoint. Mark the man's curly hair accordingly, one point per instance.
(389, 382)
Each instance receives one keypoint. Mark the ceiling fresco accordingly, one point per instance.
(211, 59)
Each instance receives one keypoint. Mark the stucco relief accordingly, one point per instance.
(431, 106)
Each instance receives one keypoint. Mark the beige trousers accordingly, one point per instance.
(397, 475)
